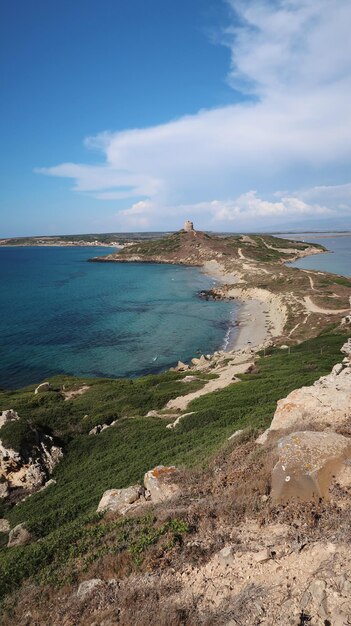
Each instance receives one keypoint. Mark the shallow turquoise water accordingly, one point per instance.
(61, 314)
(337, 261)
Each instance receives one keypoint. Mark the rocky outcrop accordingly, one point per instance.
(19, 536)
(307, 463)
(100, 428)
(30, 467)
(87, 587)
(4, 525)
(160, 483)
(159, 486)
(121, 500)
(326, 403)
(8, 416)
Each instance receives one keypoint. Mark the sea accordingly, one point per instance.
(337, 260)
(60, 314)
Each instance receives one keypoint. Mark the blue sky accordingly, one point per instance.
(132, 115)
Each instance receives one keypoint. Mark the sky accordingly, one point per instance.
(126, 115)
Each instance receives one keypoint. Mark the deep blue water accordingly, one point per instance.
(337, 261)
(61, 314)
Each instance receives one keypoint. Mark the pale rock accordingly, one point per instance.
(327, 402)
(181, 367)
(30, 472)
(43, 387)
(4, 489)
(152, 413)
(307, 462)
(158, 482)
(19, 536)
(226, 556)
(121, 500)
(4, 525)
(337, 369)
(189, 379)
(8, 416)
(235, 435)
(87, 587)
(346, 348)
(262, 556)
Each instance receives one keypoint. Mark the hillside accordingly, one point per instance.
(254, 267)
(214, 493)
(227, 484)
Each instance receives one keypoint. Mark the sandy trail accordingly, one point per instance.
(225, 378)
(313, 308)
(310, 279)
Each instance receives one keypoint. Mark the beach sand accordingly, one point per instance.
(262, 314)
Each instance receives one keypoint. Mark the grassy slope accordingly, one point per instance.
(119, 456)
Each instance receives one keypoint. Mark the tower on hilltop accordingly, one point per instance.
(188, 226)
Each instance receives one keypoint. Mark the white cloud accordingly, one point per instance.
(294, 58)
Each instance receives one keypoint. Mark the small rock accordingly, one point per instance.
(158, 482)
(235, 435)
(262, 556)
(337, 369)
(88, 586)
(226, 556)
(181, 367)
(8, 416)
(43, 387)
(121, 500)
(4, 525)
(19, 536)
(4, 490)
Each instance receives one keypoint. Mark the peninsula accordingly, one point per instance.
(281, 302)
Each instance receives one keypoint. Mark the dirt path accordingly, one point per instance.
(310, 279)
(226, 376)
(313, 308)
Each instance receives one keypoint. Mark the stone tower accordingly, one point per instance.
(188, 226)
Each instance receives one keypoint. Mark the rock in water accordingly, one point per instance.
(158, 482)
(307, 462)
(19, 536)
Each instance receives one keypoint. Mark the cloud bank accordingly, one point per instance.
(291, 60)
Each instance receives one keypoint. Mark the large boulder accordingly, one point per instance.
(19, 536)
(121, 500)
(326, 403)
(159, 482)
(307, 463)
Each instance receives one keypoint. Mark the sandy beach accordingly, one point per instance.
(262, 314)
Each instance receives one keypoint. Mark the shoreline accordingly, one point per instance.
(261, 317)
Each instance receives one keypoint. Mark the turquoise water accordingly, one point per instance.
(61, 314)
(337, 261)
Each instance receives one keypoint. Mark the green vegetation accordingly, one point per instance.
(341, 280)
(105, 401)
(154, 247)
(62, 516)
